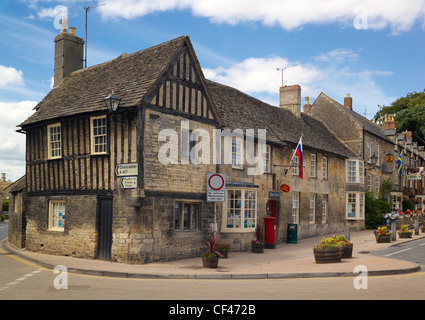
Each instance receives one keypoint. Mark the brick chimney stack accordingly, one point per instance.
(389, 122)
(69, 53)
(290, 98)
(348, 102)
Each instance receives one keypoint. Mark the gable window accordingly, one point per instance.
(241, 210)
(57, 215)
(54, 141)
(313, 165)
(186, 216)
(98, 135)
(237, 153)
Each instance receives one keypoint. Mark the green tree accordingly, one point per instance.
(411, 100)
(374, 209)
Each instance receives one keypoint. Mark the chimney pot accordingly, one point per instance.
(72, 31)
(389, 122)
(307, 105)
(348, 102)
(3, 177)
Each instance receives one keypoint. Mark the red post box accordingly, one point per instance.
(270, 232)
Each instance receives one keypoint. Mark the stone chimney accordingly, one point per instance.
(348, 102)
(389, 122)
(3, 177)
(307, 105)
(69, 53)
(290, 98)
(408, 134)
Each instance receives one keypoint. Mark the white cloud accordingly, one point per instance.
(336, 73)
(256, 75)
(12, 144)
(398, 15)
(10, 76)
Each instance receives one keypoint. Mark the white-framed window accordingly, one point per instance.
(295, 166)
(355, 205)
(54, 141)
(57, 215)
(324, 167)
(267, 158)
(325, 198)
(368, 149)
(355, 171)
(313, 165)
(351, 171)
(377, 184)
(186, 215)
(312, 212)
(241, 210)
(295, 207)
(369, 182)
(237, 153)
(98, 135)
(377, 153)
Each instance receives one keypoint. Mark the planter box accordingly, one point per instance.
(210, 263)
(347, 251)
(383, 238)
(405, 234)
(327, 255)
(257, 249)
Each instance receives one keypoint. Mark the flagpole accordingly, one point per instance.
(293, 155)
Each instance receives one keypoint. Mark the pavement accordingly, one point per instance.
(285, 261)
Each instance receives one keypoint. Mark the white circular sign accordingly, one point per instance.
(216, 182)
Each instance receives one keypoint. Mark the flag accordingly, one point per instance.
(299, 154)
(399, 164)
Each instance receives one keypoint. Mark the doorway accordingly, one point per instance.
(104, 228)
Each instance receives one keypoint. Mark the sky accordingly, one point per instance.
(370, 49)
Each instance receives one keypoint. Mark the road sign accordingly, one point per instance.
(216, 187)
(126, 169)
(128, 182)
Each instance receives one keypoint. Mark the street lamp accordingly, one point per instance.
(112, 102)
(374, 160)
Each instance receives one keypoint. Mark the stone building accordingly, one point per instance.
(378, 147)
(129, 183)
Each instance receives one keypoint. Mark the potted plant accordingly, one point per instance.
(223, 248)
(382, 235)
(405, 232)
(257, 245)
(346, 247)
(423, 228)
(211, 256)
(329, 250)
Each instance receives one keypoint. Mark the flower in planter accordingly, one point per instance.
(211, 252)
(382, 231)
(408, 211)
(331, 242)
(258, 241)
(404, 228)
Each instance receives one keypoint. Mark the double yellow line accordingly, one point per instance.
(2, 252)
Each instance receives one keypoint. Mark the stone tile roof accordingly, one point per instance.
(129, 75)
(368, 125)
(242, 111)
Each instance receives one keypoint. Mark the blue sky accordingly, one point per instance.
(371, 49)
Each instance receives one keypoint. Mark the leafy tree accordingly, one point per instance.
(374, 209)
(411, 100)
